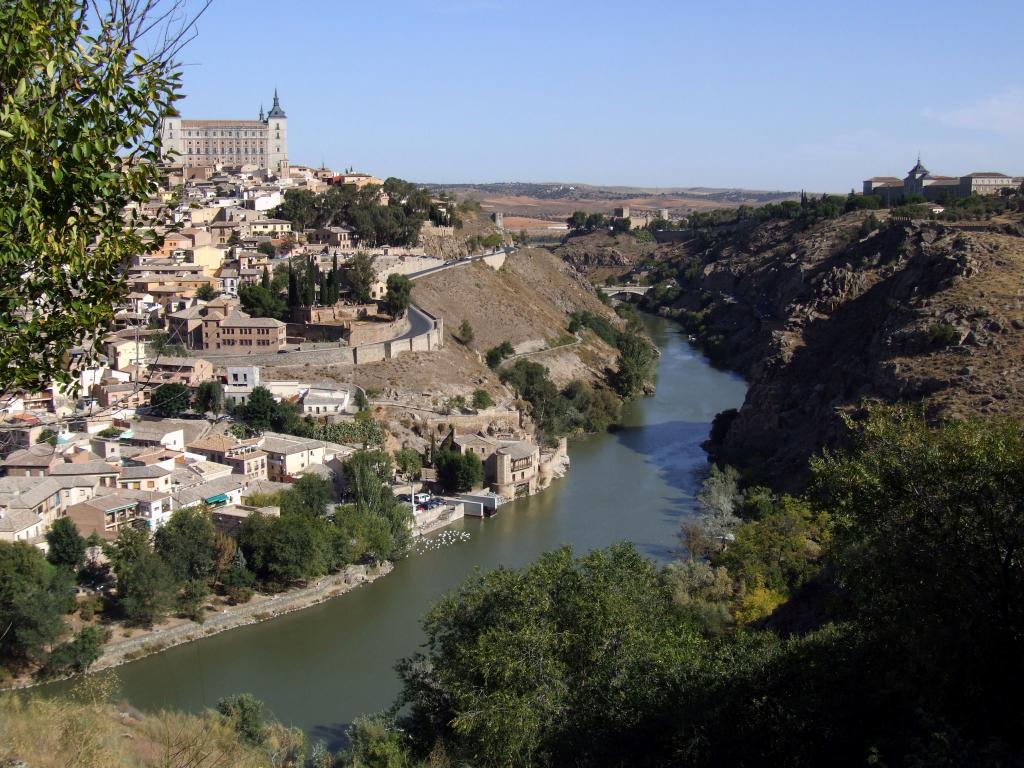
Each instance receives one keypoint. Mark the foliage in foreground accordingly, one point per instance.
(903, 567)
(76, 149)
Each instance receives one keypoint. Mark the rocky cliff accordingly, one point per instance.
(822, 320)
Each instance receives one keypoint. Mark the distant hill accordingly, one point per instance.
(550, 201)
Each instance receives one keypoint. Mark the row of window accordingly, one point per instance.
(224, 134)
(247, 331)
(233, 151)
(244, 343)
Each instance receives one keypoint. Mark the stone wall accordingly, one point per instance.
(373, 333)
(340, 354)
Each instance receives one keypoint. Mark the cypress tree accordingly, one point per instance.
(293, 288)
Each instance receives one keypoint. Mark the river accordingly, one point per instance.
(320, 667)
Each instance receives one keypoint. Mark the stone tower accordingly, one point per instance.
(277, 139)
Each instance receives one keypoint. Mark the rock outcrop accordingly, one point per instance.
(821, 321)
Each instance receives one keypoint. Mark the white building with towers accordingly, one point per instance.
(262, 142)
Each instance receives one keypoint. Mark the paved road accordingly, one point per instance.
(460, 262)
(419, 322)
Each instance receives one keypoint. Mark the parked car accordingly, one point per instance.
(422, 498)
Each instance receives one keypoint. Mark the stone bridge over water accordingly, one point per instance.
(614, 290)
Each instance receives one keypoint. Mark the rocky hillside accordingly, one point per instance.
(475, 226)
(527, 303)
(604, 255)
(821, 319)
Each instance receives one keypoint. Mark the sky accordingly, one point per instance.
(762, 95)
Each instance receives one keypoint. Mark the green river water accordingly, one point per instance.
(320, 667)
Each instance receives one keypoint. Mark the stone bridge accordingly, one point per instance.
(636, 290)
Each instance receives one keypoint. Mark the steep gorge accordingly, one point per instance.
(821, 320)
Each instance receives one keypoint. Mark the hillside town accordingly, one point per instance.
(155, 418)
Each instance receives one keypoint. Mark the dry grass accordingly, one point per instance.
(86, 731)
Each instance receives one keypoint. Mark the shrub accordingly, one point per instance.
(944, 334)
(482, 399)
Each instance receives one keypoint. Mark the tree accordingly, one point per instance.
(259, 302)
(209, 397)
(635, 364)
(361, 401)
(206, 292)
(170, 399)
(33, 599)
(408, 462)
(267, 249)
(368, 474)
(265, 283)
(310, 495)
(577, 221)
(78, 149)
(78, 655)
(360, 275)
(144, 584)
(496, 355)
(459, 472)
(399, 293)
(293, 288)
(284, 550)
(928, 538)
(517, 670)
(260, 409)
(67, 547)
(482, 399)
(466, 333)
(186, 544)
(161, 345)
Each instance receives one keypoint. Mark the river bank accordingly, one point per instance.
(262, 607)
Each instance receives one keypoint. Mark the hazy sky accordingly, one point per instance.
(768, 95)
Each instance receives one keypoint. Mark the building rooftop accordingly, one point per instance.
(143, 472)
(26, 492)
(209, 491)
(521, 449)
(69, 469)
(217, 443)
(39, 455)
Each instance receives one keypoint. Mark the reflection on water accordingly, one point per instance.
(321, 667)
